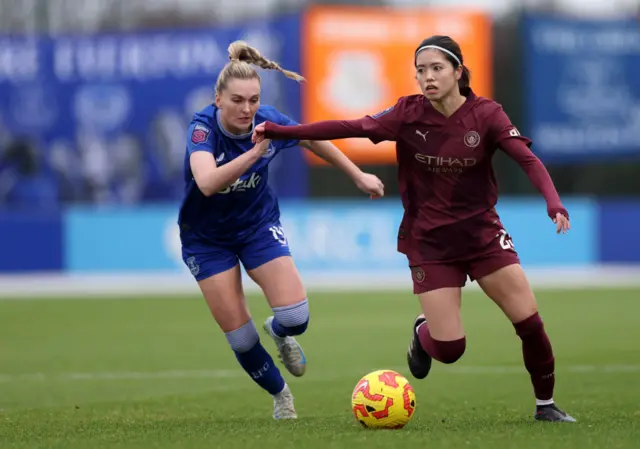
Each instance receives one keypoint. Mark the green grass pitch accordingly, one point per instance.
(157, 373)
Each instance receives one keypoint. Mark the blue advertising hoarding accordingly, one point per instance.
(619, 226)
(103, 118)
(336, 237)
(339, 237)
(582, 88)
(31, 241)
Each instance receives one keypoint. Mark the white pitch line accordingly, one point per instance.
(315, 376)
(121, 375)
(90, 286)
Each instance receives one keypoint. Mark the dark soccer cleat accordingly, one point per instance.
(551, 413)
(417, 358)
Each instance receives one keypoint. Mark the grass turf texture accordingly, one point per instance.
(157, 373)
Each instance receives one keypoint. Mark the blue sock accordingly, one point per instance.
(291, 320)
(259, 365)
(254, 359)
(279, 329)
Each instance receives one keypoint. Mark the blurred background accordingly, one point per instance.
(96, 96)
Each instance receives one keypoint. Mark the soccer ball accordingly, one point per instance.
(383, 400)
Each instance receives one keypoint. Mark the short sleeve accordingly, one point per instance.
(199, 138)
(501, 128)
(385, 125)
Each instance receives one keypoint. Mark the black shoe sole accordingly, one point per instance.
(418, 360)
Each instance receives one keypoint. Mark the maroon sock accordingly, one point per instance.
(442, 351)
(538, 355)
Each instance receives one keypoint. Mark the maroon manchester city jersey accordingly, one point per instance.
(445, 174)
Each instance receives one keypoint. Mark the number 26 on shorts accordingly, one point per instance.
(505, 240)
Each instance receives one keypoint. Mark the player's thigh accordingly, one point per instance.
(225, 297)
(218, 275)
(439, 288)
(502, 279)
(268, 262)
(441, 308)
(280, 281)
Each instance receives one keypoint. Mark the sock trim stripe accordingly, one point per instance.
(291, 307)
(244, 338)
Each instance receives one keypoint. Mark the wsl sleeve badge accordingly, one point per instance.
(200, 133)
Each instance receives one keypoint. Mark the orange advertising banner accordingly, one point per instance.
(359, 61)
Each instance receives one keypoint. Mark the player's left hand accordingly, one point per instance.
(562, 223)
(370, 184)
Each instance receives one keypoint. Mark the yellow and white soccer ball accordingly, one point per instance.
(383, 399)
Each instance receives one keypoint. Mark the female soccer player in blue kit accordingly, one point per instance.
(230, 214)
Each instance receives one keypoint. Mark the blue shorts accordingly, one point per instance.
(206, 259)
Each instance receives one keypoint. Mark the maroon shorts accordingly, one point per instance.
(433, 275)
(473, 248)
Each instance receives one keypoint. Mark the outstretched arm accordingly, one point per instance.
(377, 127)
(326, 130)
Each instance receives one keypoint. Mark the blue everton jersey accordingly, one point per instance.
(234, 213)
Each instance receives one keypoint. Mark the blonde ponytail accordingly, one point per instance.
(242, 56)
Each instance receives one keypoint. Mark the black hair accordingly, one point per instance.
(23, 156)
(449, 44)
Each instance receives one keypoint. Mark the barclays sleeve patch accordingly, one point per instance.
(200, 133)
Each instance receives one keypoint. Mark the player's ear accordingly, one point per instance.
(218, 101)
(458, 72)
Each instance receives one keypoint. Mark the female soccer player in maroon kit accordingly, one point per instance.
(446, 138)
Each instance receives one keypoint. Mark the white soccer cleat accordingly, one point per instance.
(289, 351)
(283, 405)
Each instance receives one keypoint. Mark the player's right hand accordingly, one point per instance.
(258, 133)
(562, 223)
(370, 184)
(262, 147)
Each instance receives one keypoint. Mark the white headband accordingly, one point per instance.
(450, 53)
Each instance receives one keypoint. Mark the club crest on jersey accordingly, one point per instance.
(200, 133)
(270, 151)
(472, 139)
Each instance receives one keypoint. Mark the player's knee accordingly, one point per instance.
(293, 319)
(449, 351)
(244, 338)
(529, 326)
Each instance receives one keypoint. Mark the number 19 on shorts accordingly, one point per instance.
(278, 234)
